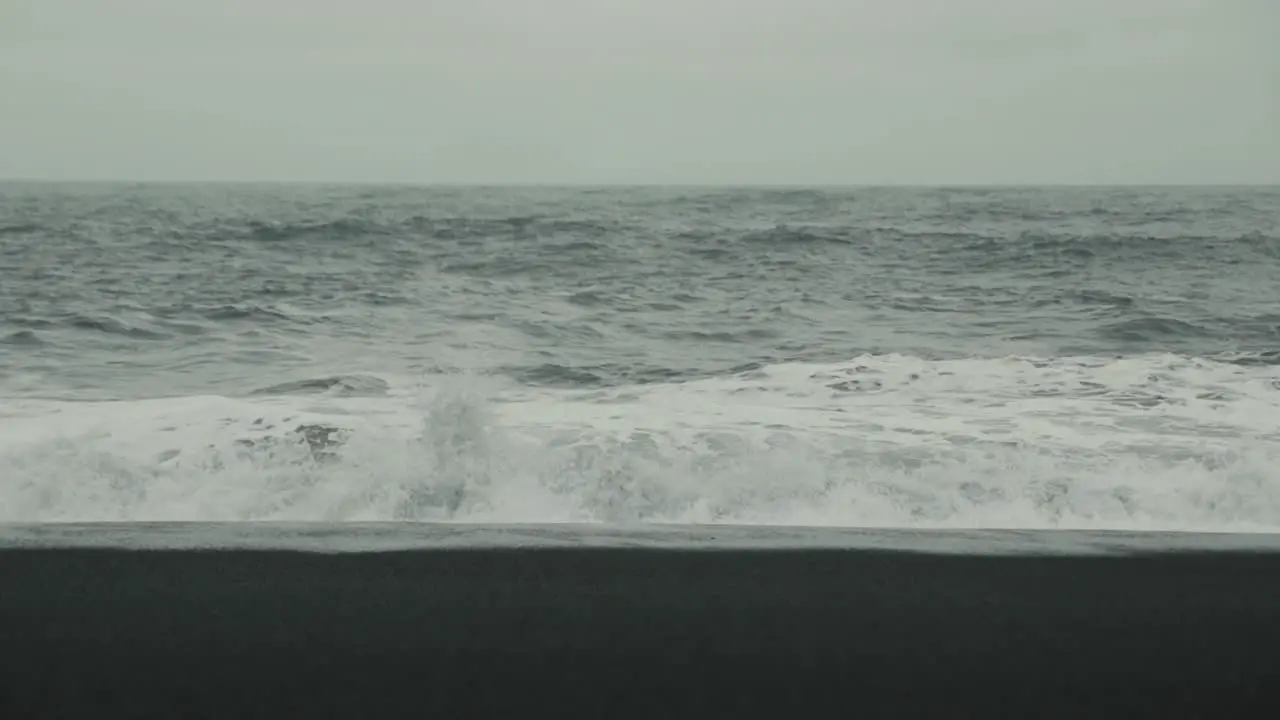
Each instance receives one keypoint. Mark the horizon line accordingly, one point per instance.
(633, 184)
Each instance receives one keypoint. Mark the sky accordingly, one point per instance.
(824, 92)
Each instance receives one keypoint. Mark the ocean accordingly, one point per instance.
(965, 358)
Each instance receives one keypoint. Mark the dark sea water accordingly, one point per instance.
(974, 358)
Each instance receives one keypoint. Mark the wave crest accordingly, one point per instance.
(1162, 442)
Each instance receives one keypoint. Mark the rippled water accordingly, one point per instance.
(973, 357)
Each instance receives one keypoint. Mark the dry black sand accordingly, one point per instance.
(610, 632)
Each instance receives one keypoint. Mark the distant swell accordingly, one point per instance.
(22, 338)
(20, 229)
(984, 251)
(333, 230)
(344, 385)
(1153, 329)
(604, 375)
(517, 227)
(1250, 359)
(112, 326)
(1097, 298)
(256, 313)
(786, 235)
(136, 290)
(458, 228)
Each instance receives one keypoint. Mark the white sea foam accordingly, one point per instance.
(1153, 443)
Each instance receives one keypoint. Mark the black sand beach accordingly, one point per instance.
(635, 632)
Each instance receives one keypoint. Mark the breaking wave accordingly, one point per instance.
(1159, 442)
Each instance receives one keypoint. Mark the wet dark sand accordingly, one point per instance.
(612, 632)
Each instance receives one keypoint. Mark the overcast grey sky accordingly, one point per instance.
(650, 91)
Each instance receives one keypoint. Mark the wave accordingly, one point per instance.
(20, 229)
(159, 325)
(345, 385)
(1088, 297)
(251, 312)
(23, 338)
(1159, 442)
(800, 235)
(107, 325)
(518, 227)
(340, 229)
(429, 227)
(1265, 358)
(1153, 329)
(1008, 246)
(590, 376)
(948, 252)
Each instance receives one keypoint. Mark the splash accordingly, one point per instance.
(1153, 443)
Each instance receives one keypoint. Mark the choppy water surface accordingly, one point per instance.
(1031, 358)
